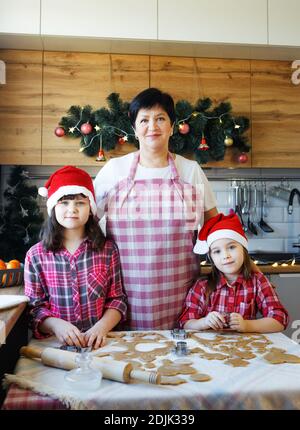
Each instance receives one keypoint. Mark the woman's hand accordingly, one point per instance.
(237, 322)
(65, 331)
(96, 336)
(215, 320)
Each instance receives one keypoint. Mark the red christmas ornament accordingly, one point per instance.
(203, 145)
(101, 156)
(86, 128)
(243, 158)
(59, 132)
(121, 140)
(184, 128)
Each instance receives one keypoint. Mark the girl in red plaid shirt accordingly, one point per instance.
(72, 276)
(232, 294)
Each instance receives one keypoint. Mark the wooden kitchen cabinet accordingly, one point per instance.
(275, 112)
(131, 19)
(21, 108)
(238, 22)
(20, 17)
(221, 80)
(284, 26)
(72, 78)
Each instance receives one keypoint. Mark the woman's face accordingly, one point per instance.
(153, 128)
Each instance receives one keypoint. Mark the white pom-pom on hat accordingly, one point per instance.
(43, 191)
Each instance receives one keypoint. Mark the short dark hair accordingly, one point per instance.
(52, 232)
(149, 98)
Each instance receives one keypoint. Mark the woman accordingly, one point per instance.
(152, 203)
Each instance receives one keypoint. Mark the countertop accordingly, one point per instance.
(10, 316)
(265, 269)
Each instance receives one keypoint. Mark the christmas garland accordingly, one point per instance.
(199, 129)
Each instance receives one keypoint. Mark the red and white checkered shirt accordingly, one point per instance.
(247, 298)
(75, 287)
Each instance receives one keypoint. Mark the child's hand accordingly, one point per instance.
(95, 336)
(67, 332)
(215, 320)
(237, 322)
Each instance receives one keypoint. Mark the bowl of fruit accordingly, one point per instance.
(11, 273)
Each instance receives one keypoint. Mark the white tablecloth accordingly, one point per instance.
(260, 385)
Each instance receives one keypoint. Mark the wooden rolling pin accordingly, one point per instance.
(111, 369)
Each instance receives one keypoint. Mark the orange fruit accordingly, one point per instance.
(13, 264)
(2, 267)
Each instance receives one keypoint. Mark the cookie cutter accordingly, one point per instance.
(226, 315)
(181, 349)
(179, 333)
(70, 348)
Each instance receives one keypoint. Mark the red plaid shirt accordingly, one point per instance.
(76, 288)
(246, 298)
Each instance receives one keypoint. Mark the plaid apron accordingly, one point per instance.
(153, 222)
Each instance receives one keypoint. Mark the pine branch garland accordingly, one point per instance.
(207, 127)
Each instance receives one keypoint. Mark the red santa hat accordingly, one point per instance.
(220, 227)
(65, 181)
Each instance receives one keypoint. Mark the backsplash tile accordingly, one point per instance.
(286, 227)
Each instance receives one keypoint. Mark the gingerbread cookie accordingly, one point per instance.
(237, 362)
(281, 357)
(200, 377)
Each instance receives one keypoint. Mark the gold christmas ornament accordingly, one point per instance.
(228, 141)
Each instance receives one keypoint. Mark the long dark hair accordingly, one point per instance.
(214, 277)
(52, 232)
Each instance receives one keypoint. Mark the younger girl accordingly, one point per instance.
(233, 293)
(72, 276)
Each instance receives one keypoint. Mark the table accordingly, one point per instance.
(16, 333)
(260, 385)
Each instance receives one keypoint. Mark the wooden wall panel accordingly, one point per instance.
(194, 78)
(275, 115)
(21, 108)
(81, 79)
(39, 91)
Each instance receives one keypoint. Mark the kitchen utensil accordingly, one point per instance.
(245, 197)
(280, 193)
(265, 209)
(263, 225)
(250, 224)
(238, 209)
(111, 369)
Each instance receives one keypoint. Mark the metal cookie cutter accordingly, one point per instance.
(71, 348)
(181, 349)
(227, 319)
(179, 333)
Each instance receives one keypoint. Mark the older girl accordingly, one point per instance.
(72, 276)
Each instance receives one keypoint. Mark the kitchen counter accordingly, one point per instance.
(16, 334)
(267, 269)
(10, 316)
